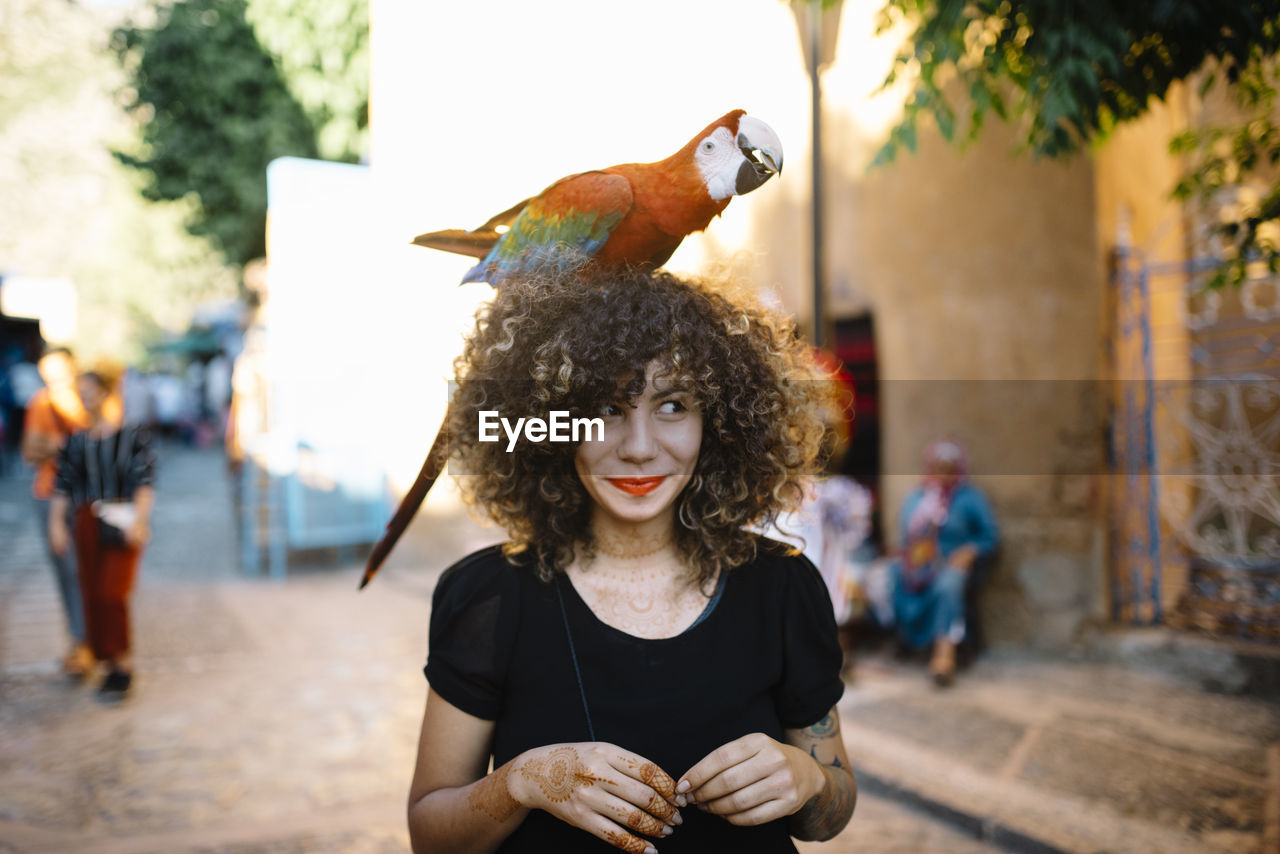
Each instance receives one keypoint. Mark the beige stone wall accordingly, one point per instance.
(983, 272)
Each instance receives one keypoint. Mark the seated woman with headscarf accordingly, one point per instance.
(948, 532)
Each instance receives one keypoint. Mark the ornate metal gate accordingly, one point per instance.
(1195, 450)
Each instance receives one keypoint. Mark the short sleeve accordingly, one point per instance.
(812, 658)
(143, 464)
(474, 612)
(65, 478)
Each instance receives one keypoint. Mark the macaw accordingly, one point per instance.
(632, 214)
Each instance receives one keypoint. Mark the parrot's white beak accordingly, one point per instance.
(763, 152)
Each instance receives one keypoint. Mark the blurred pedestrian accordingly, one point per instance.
(168, 403)
(948, 533)
(5, 460)
(135, 397)
(22, 381)
(217, 389)
(9, 415)
(105, 476)
(53, 413)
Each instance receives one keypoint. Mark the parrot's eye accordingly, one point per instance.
(709, 145)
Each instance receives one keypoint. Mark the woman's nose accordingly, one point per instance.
(639, 444)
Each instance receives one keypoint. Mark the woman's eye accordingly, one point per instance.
(610, 410)
(671, 407)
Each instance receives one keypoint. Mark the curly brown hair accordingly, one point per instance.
(578, 344)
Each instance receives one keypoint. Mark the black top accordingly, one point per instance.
(111, 468)
(763, 658)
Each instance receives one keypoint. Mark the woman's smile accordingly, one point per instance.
(638, 486)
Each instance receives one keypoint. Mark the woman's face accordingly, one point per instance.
(92, 395)
(944, 473)
(57, 371)
(648, 454)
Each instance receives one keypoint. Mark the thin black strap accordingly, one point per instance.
(591, 730)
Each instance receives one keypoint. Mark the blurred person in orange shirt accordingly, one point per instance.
(53, 414)
(105, 476)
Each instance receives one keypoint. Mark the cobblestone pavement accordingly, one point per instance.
(267, 718)
(1083, 756)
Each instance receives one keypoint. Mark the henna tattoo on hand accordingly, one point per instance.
(640, 821)
(558, 773)
(625, 841)
(492, 797)
(654, 777)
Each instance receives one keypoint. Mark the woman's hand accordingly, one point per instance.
(59, 536)
(962, 558)
(752, 780)
(144, 498)
(599, 787)
(138, 533)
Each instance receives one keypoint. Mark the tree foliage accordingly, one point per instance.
(321, 48)
(223, 87)
(1225, 158)
(1071, 70)
(68, 208)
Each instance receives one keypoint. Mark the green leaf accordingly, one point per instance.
(946, 123)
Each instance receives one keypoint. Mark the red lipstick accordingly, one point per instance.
(637, 486)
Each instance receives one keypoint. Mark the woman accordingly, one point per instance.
(641, 670)
(53, 414)
(948, 531)
(105, 477)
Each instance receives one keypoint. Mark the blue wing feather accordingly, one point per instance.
(563, 227)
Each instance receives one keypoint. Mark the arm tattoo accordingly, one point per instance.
(826, 814)
(492, 797)
(835, 760)
(824, 727)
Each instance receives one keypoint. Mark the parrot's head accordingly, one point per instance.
(735, 154)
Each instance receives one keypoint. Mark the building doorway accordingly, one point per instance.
(854, 344)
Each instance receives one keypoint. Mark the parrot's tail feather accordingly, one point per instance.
(432, 466)
(505, 218)
(474, 243)
(478, 273)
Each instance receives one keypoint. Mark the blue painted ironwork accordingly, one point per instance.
(1197, 459)
(1136, 541)
(260, 521)
(344, 505)
(289, 511)
(1149, 437)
